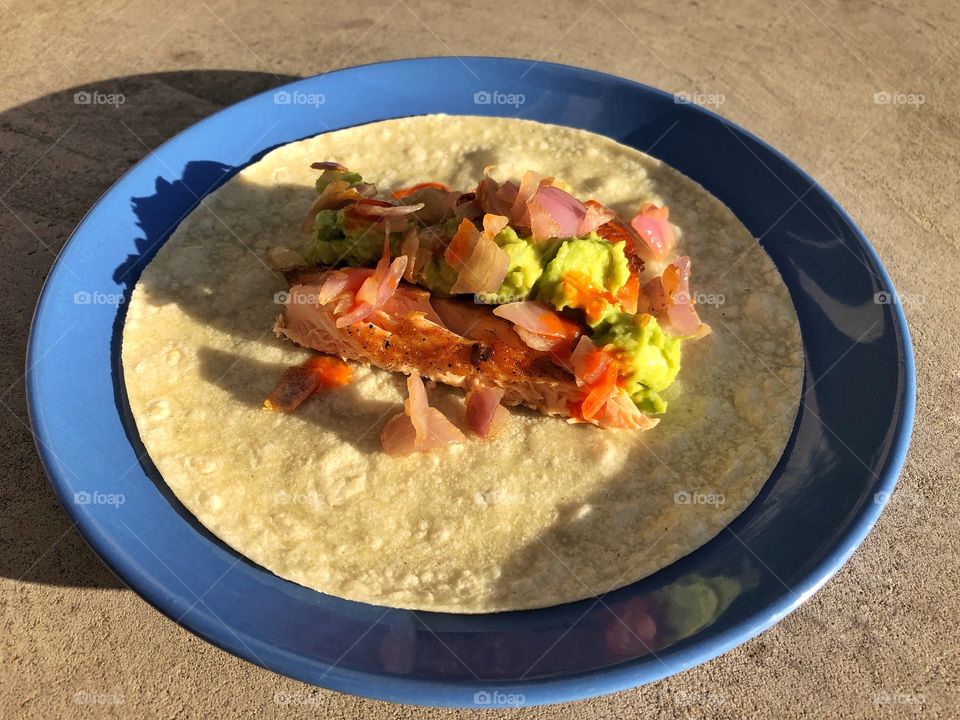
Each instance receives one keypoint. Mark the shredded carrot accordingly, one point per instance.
(330, 371)
(557, 326)
(301, 381)
(586, 295)
(601, 392)
(462, 244)
(629, 295)
(595, 363)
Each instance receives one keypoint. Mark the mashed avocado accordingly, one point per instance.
(438, 276)
(586, 273)
(332, 245)
(526, 258)
(651, 358)
(525, 269)
(328, 177)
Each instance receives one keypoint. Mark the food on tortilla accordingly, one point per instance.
(542, 511)
(554, 303)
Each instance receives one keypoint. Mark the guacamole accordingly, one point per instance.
(586, 273)
(651, 358)
(328, 177)
(332, 245)
(525, 269)
(438, 276)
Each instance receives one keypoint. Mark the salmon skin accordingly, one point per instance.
(454, 342)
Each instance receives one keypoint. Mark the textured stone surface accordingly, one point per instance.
(802, 75)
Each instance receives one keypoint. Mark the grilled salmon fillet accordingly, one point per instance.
(452, 342)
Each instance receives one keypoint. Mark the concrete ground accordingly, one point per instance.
(879, 640)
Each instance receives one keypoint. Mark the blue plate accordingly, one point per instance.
(836, 473)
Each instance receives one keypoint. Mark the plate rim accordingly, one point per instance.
(575, 686)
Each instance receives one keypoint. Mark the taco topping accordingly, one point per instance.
(517, 292)
(419, 427)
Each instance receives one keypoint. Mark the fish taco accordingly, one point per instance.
(462, 364)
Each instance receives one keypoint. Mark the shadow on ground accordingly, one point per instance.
(58, 155)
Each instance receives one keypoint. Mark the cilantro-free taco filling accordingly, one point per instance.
(517, 292)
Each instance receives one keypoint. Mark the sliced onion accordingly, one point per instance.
(536, 341)
(360, 311)
(329, 165)
(438, 204)
(595, 216)
(408, 300)
(391, 280)
(419, 427)
(398, 436)
(655, 295)
(487, 195)
(467, 207)
(339, 283)
(683, 319)
(682, 315)
(653, 227)
(375, 290)
(335, 194)
(480, 263)
(485, 414)
(668, 297)
(416, 404)
(335, 283)
(620, 412)
(492, 224)
(484, 270)
(409, 249)
(536, 317)
(519, 211)
(578, 357)
(380, 209)
(507, 194)
(554, 213)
